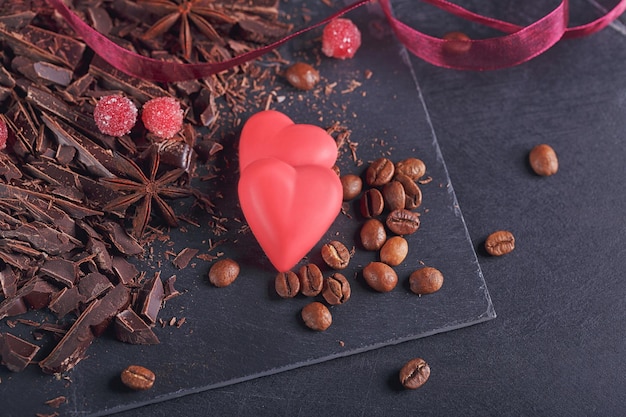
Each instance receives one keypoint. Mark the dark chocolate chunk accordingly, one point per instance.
(124, 242)
(93, 285)
(131, 328)
(53, 73)
(169, 290)
(8, 282)
(91, 323)
(16, 353)
(102, 257)
(37, 293)
(66, 301)
(60, 270)
(150, 299)
(10, 307)
(184, 257)
(124, 270)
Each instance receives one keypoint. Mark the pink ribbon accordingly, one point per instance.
(518, 45)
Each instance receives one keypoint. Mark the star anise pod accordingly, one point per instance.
(146, 190)
(189, 12)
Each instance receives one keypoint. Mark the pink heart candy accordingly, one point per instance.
(272, 134)
(288, 192)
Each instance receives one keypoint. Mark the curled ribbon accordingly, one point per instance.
(518, 45)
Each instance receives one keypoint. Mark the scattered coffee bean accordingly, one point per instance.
(336, 255)
(287, 284)
(411, 167)
(403, 222)
(352, 186)
(412, 192)
(223, 272)
(372, 203)
(543, 160)
(379, 172)
(457, 43)
(426, 280)
(302, 76)
(414, 373)
(394, 251)
(500, 243)
(311, 280)
(373, 234)
(137, 378)
(380, 276)
(336, 289)
(316, 316)
(394, 195)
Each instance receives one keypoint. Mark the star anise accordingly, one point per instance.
(146, 190)
(189, 12)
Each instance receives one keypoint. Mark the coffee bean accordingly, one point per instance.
(394, 251)
(372, 203)
(287, 284)
(137, 378)
(543, 160)
(411, 167)
(311, 280)
(336, 255)
(373, 234)
(426, 280)
(379, 172)
(380, 276)
(458, 43)
(351, 185)
(316, 316)
(412, 192)
(403, 222)
(414, 373)
(500, 243)
(336, 289)
(302, 76)
(223, 272)
(394, 195)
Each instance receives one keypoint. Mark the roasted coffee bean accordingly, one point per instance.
(336, 255)
(223, 272)
(316, 316)
(543, 160)
(311, 280)
(137, 378)
(411, 167)
(394, 195)
(380, 276)
(500, 243)
(412, 192)
(403, 222)
(373, 234)
(458, 43)
(426, 280)
(287, 284)
(394, 251)
(379, 172)
(302, 76)
(372, 203)
(336, 289)
(352, 186)
(414, 373)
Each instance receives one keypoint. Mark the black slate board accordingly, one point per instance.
(245, 331)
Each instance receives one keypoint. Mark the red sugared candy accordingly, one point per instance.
(162, 116)
(4, 134)
(115, 115)
(340, 39)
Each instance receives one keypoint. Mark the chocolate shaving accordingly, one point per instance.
(184, 257)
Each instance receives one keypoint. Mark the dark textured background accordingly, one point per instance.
(558, 345)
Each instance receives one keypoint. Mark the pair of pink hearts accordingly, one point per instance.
(288, 192)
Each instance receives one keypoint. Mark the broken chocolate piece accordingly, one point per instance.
(8, 282)
(131, 328)
(124, 270)
(53, 73)
(16, 353)
(94, 284)
(150, 299)
(184, 257)
(170, 291)
(36, 293)
(66, 301)
(124, 242)
(91, 323)
(60, 270)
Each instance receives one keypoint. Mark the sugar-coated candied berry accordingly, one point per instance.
(4, 134)
(162, 116)
(341, 39)
(115, 115)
